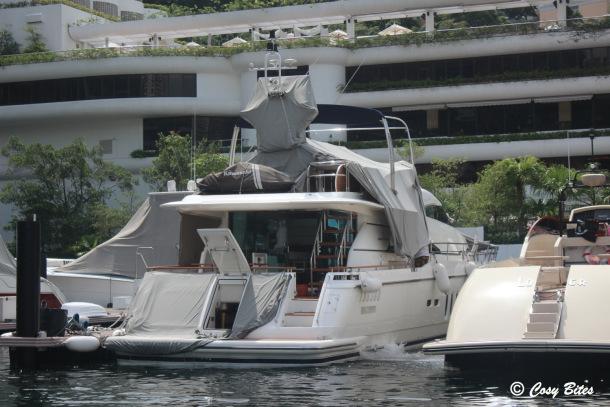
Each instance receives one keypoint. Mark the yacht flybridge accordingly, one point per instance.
(306, 254)
(550, 304)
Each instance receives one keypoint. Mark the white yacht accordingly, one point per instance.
(306, 254)
(550, 304)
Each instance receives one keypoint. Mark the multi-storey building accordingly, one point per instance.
(480, 93)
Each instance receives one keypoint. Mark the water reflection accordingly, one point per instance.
(387, 377)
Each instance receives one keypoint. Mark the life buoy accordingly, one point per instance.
(594, 259)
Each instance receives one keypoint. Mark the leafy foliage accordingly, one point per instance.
(506, 195)
(490, 138)
(68, 188)
(399, 40)
(8, 45)
(509, 76)
(174, 161)
(35, 41)
(443, 182)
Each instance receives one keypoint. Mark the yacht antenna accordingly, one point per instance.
(273, 62)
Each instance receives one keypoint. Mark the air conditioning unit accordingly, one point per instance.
(33, 18)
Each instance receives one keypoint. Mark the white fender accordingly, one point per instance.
(470, 266)
(442, 278)
(370, 284)
(82, 343)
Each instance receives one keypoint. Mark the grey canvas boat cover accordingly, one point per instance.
(152, 230)
(281, 112)
(260, 302)
(164, 314)
(7, 261)
(279, 115)
(245, 178)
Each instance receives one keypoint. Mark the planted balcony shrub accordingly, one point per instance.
(8, 45)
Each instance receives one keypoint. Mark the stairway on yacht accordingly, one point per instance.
(333, 240)
(545, 316)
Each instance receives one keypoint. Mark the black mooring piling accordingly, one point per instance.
(28, 290)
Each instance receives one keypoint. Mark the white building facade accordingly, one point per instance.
(515, 83)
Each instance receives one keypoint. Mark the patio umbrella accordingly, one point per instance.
(339, 35)
(395, 29)
(235, 42)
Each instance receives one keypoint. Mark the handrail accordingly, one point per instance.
(388, 137)
(406, 128)
(213, 268)
(236, 132)
(343, 245)
(316, 247)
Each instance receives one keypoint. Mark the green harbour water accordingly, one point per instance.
(384, 378)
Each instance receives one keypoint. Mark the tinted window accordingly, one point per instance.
(203, 127)
(98, 87)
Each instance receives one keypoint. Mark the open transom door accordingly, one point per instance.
(222, 249)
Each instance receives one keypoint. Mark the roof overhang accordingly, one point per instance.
(215, 205)
(234, 22)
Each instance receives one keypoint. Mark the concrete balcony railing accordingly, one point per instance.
(494, 147)
(510, 76)
(576, 27)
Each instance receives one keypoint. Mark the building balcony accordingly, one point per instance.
(482, 93)
(511, 76)
(582, 142)
(441, 44)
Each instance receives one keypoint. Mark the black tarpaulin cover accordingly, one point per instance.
(245, 178)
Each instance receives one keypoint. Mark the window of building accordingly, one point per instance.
(464, 121)
(582, 114)
(546, 116)
(106, 146)
(105, 7)
(131, 16)
(98, 87)
(480, 67)
(211, 128)
(601, 107)
(299, 70)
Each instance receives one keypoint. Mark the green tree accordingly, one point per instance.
(35, 41)
(501, 198)
(8, 45)
(175, 161)
(443, 180)
(65, 187)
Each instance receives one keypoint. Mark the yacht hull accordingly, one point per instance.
(547, 354)
(515, 347)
